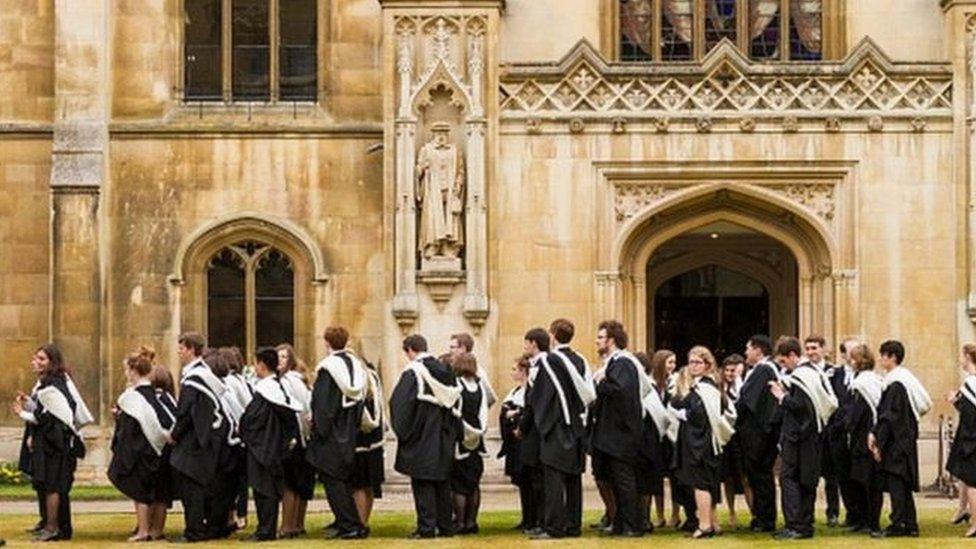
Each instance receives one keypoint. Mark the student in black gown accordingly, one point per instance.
(199, 436)
(758, 427)
(142, 430)
(425, 416)
(601, 476)
(220, 516)
(269, 428)
(299, 479)
(663, 363)
(732, 478)
(859, 413)
(705, 428)
(807, 403)
(51, 446)
(512, 408)
(894, 439)
(962, 455)
(621, 387)
(682, 493)
(651, 463)
(369, 469)
(241, 392)
(337, 409)
(469, 456)
(164, 386)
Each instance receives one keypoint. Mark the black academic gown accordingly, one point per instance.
(426, 432)
(199, 445)
(56, 447)
(858, 422)
(620, 412)
(267, 430)
(560, 445)
(836, 455)
(695, 462)
(332, 449)
(758, 417)
(897, 435)
(962, 456)
(800, 442)
(511, 446)
(135, 465)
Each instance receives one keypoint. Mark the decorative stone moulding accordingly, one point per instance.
(440, 284)
(726, 84)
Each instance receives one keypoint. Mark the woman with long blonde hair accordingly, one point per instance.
(703, 432)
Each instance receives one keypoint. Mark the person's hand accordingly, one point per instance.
(517, 433)
(511, 413)
(30, 444)
(16, 407)
(169, 440)
(777, 390)
(115, 411)
(873, 447)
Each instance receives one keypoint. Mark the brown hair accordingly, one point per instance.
(55, 362)
(540, 337)
(465, 365)
(787, 345)
(232, 357)
(815, 338)
(615, 331)
(162, 379)
(446, 359)
(862, 358)
(659, 368)
(216, 362)
(465, 340)
(148, 352)
(562, 330)
(524, 363)
(415, 343)
(193, 340)
(969, 350)
(139, 363)
(645, 361)
(336, 336)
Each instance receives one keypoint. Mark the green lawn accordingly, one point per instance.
(24, 492)
(390, 529)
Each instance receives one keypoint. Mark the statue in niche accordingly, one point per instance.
(440, 194)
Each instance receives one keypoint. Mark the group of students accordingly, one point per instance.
(641, 418)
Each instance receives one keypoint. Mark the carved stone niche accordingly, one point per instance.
(440, 283)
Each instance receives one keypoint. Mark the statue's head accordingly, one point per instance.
(441, 133)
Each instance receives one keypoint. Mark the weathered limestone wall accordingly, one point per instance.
(26, 60)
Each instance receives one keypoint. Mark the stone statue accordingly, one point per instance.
(440, 193)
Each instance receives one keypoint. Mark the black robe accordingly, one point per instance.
(426, 432)
(560, 445)
(799, 441)
(897, 435)
(962, 455)
(695, 462)
(56, 447)
(135, 467)
(836, 451)
(511, 448)
(468, 464)
(332, 449)
(620, 412)
(858, 422)
(268, 431)
(759, 417)
(199, 445)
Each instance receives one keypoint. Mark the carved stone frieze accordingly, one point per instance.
(726, 84)
(632, 198)
(818, 198)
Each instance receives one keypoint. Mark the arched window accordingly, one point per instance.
(250, 50)
(686, 30)
(250, 297)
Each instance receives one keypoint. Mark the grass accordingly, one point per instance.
(390, 529)
(24, 492)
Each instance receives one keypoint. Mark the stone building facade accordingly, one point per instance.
(699, 169)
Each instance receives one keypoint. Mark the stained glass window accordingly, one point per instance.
(720, 22)
(764, 28)
(806, 29)
(636, 24)
(677, 30)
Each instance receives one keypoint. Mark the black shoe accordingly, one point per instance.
(351, 534)
(417, 534)
(833, 521)
(702, 534)
(534, 531)
(856, 529)
(631, 534)
(47, 535)
(959, 519)
(899, 532)
(689, 526)
(38, 527)
(446, 533)
(762, 528)
(573, 533)
(543, 536)
(786, 534)
(254, 538)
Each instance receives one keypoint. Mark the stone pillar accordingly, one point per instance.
(78, 173)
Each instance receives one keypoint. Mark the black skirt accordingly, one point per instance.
(368, 472)
(466, 474)
(731, 470)
(650, 481)
(53, 460)
(299, 475)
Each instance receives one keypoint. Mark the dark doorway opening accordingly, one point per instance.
(711, 306)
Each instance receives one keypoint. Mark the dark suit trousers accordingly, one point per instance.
(902, 502)
(798, 500)
(563, 502)
(527, 497)
(432, 501)
(339, 495)
(267, 511)
(624, 481)
(194, 497)
(760, 476)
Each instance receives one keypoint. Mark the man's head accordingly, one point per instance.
(610, 336)
(461, 343)
(413, 345)
(265, 362)
(732, 367)
(847, 346)
(813, 346)
(190, 346)
(562, 331)
(536, 341)
(336, 338)
(758, 347)
(892, 354)
(788, 353)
